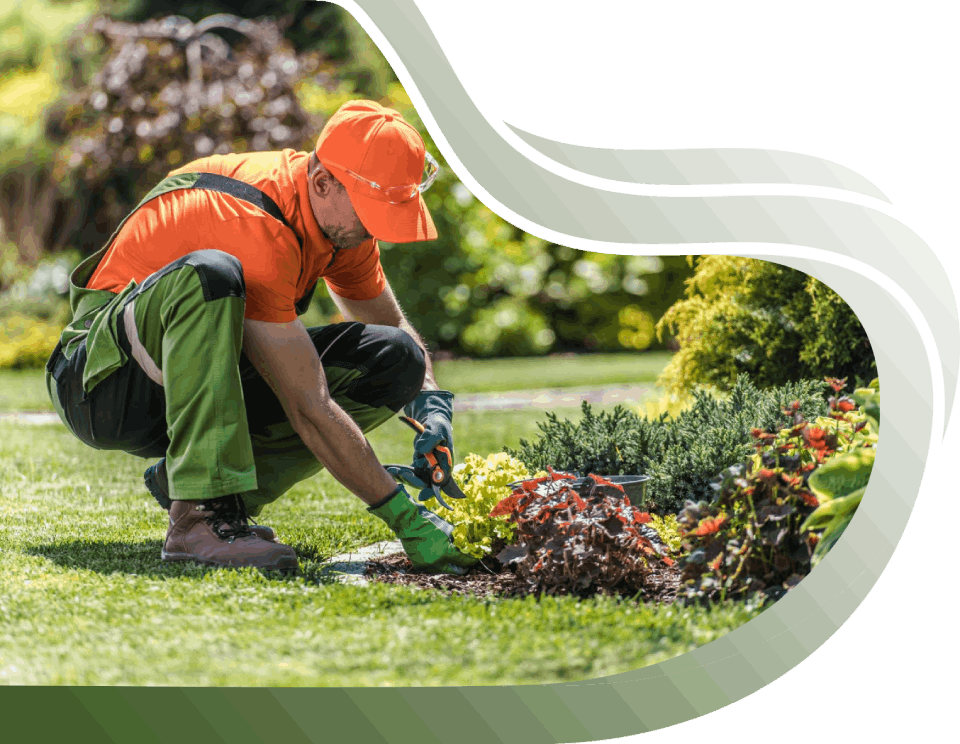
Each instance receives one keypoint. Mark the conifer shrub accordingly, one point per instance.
(777, 324)
(683, 454)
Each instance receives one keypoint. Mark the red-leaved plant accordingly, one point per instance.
(579, 541)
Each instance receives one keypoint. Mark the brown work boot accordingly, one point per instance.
(155, 479)
(215, 532)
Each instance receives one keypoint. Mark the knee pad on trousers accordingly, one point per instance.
(410, 366)
(221, 274)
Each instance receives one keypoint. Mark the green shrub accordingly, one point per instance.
(777, 324)
(681, 454)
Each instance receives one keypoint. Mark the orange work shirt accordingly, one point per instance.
(276, 271)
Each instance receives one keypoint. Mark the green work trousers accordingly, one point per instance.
(188, 393)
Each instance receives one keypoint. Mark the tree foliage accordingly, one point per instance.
(168, 92)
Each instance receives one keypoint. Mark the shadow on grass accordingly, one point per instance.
(119, 557)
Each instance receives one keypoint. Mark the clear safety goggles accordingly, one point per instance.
(396, 194)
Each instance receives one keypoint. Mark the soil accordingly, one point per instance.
(489, 579)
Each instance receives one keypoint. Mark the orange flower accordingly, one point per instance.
(709, 526)
(836, 384)
(846, 405)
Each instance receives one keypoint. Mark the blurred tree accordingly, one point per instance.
(167, 92)
(310, 26)
(31, 78)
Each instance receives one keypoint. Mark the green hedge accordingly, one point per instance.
(682, 454)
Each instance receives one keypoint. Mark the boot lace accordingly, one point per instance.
(228, 517)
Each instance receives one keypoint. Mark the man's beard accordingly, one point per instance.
(343, 239)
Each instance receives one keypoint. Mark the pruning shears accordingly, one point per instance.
(433, 475)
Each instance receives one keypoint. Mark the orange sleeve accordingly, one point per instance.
(357, 274)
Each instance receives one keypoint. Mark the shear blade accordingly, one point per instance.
(438, 497)
(452, 489)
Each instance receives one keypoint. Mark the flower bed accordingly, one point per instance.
(566, 541)
(771, 518)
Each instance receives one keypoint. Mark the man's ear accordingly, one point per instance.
(320, 177)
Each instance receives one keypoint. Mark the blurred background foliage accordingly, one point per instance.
(99, 101)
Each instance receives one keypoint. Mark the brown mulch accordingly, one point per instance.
(489, 579)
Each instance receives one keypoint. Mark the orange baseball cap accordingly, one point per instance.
(381, 161)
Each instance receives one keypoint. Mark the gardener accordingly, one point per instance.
(185, 342)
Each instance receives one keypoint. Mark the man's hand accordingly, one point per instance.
(286, 358)
(433, 409)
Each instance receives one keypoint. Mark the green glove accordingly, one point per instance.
(424, 535)
(433, 409)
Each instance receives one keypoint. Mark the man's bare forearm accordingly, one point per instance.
(338, 443)
(429, 381)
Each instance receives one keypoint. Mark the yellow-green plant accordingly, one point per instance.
(26, 342)
(669, 530)
(666, 406)
(484, 483)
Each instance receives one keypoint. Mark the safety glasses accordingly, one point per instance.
(396, 194)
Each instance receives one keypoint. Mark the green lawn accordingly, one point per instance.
(23, 390)
(85, 599)
(585, 370)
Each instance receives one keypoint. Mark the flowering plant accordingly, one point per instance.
(748, 539)
(580, 539)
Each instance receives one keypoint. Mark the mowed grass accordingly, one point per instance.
(584, 370)
(85, 599)
(23, 390)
